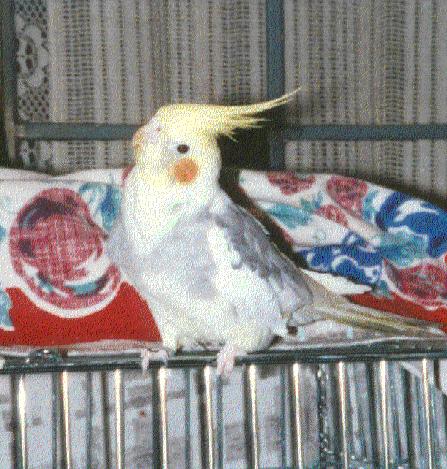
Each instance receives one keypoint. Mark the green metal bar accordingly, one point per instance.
(274, 17)
(277, 151)
(388, 350)
(9, 79)
(74, 131)
(345, 132)
(349, 132)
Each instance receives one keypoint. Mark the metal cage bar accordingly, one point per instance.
(341, 368)
(66, 431)
(89, 419)
(63, 131)
(20, 427)
(387, 350)
(384, 413)
(428, 414)
(160, 418)
(343, 455)
(187, 380)
(220, 424)
(297, 424)
(275, 74)
(119, 419)
(346, 132)
(208, 456)
(105, 418)
(55, 418)
(250, 373)
(9, 79)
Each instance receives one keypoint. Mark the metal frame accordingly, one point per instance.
(52, 361)
(378, 358)
(9, 81)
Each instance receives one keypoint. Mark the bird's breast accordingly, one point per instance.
(184, 261)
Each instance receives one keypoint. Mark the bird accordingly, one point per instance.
(206, 267)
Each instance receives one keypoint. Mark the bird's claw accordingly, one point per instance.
(225, 360)
(148, 356)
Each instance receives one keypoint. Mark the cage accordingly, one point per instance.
(353, 407)
(369, 406)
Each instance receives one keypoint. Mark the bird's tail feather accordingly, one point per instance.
(366, 318)
(330, 306)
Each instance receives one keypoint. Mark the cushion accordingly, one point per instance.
(59, 289)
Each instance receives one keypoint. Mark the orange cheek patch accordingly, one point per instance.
(185, 171)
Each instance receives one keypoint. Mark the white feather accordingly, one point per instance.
(337, 284)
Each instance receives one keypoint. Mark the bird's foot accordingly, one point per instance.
(225, 360)
(148, 356)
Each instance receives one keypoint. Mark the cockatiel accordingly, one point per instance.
(205, 266)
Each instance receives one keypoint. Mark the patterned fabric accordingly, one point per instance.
(359, 61)
(55, 270)
(391, 241)
(57, 286)
(58, 221)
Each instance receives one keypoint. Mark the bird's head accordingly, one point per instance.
(178, 146)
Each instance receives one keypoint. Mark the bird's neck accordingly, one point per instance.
(161, 207)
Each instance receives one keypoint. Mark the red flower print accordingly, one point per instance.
(57, 248)
(333, 213)
(289, 183)
(425, 284)
(347, 192)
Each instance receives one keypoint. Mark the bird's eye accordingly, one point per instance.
(182, 148)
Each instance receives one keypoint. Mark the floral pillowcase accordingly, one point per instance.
(395, 243)
(58, 288)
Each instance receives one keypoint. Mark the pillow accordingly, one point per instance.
(57, 286)
(59, 289)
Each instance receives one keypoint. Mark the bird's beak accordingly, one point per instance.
(148, 134)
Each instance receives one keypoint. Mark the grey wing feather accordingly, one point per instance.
(248, 237)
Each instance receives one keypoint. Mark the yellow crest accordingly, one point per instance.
(215, 120)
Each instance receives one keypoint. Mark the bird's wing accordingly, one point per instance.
(299, 293)
(249, 249)
(117, 245)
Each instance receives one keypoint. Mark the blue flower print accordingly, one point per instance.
(401, 212)
(354, 259)
(292, 217)
(104, 199)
